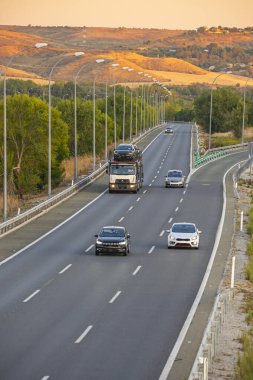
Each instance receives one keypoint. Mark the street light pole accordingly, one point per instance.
(114, 108)
(106, 121)
(36, 46)
(211, 111)
(76, 54)
(244, 106)
(94, 117)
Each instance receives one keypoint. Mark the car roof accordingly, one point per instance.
(175, 170)
(184, 223)
(124, 145)
(113, 227)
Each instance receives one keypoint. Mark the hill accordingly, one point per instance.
(139, 49)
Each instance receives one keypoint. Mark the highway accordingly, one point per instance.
(68, 314)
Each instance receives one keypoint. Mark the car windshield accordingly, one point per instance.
(174, 174)
(184, 228)
(124, 147)
(122, 169)
(112, 232)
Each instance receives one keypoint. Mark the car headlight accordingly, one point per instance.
(122, 243)
(98, 242)
(194, 237)
(172, 237)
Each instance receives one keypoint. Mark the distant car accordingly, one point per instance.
(174, 178)
(112, 239)
(168, 130)
(184, 235)
(127, 152)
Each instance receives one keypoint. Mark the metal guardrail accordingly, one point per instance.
(207, 350)
(45, 205)
(241, 168)
(216, 153)
(35, 211)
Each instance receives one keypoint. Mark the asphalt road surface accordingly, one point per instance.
(68, 314)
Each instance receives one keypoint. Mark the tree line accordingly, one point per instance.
(27, 128)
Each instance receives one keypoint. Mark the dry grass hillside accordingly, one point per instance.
(115, 45)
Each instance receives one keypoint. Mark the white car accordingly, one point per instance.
(174, 178)
(184, 235)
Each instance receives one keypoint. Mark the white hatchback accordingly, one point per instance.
(184, 235)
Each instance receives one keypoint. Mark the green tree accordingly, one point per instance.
(27, 140)
(226, 110)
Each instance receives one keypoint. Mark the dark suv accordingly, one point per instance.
(112, 239)
(126, 152)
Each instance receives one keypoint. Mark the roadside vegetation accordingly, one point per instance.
(245, 360)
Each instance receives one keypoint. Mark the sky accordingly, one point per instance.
(162, 14)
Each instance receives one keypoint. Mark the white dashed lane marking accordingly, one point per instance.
(115, 297)
(81, 337)
(136, 270)
(32, 295)
(89, 248)
(64, 269)
(151, 249)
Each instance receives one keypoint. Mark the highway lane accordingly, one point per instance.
(68, 314)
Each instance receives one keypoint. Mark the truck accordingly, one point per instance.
(125, 176)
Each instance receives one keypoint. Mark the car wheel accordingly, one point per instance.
(96, 253)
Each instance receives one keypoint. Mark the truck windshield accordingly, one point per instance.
(123, 169)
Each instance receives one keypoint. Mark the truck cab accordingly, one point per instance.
(125, 176)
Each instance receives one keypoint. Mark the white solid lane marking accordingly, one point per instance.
(115, 296)
(162, 233)
(130, 208)
(64, 269)
(176, 210)
(84, 334)
(88, 249)
(120, 220)
(137, 200)
(144, 191)
(136, 270)
(181, 200)
(151, 249)
(170, 220)
(32, 295)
